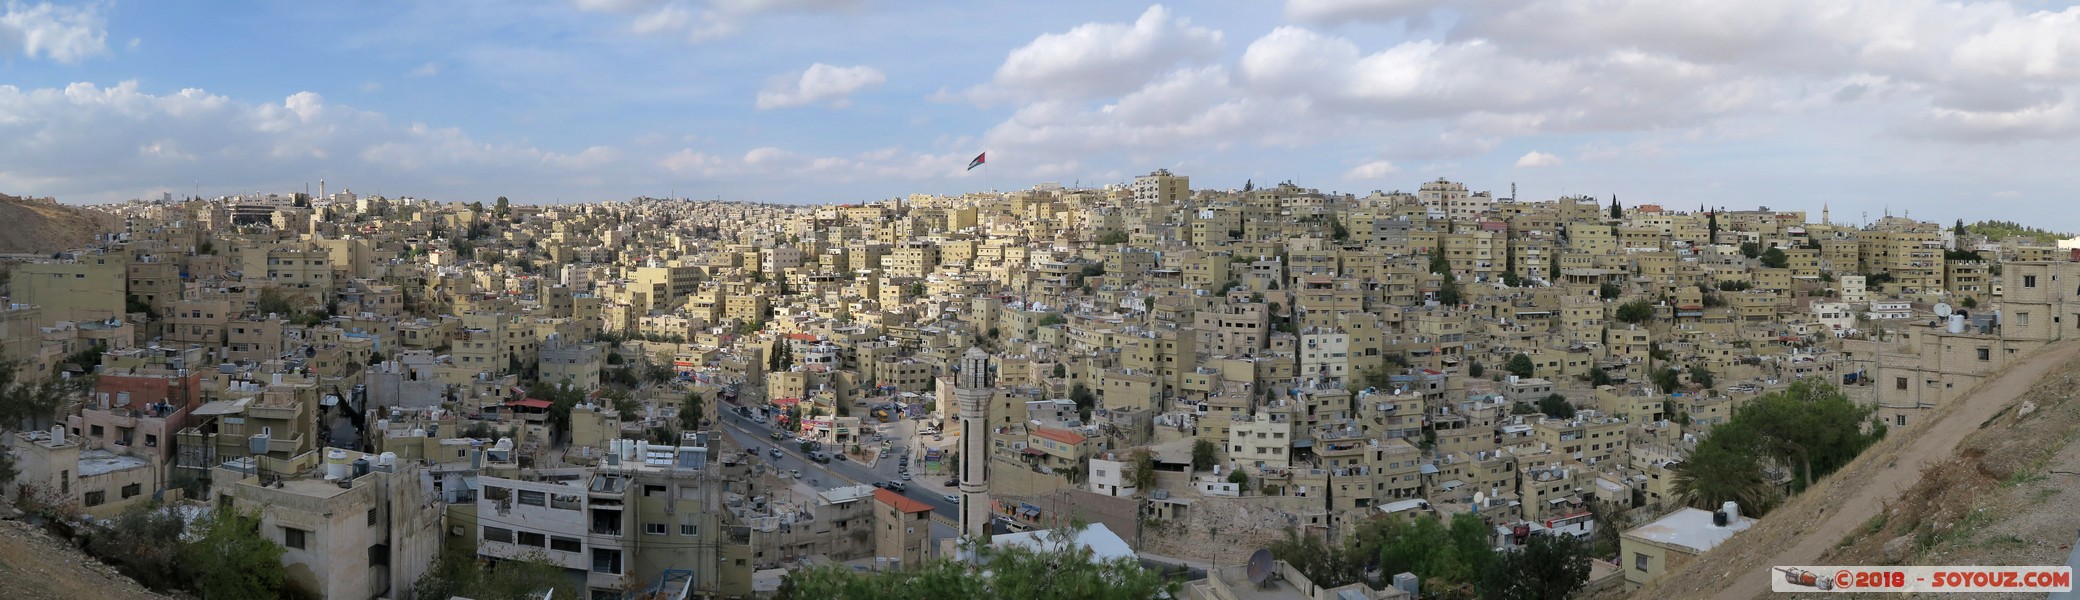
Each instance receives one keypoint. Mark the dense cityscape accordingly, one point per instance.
(727, 399)
(1066, 300)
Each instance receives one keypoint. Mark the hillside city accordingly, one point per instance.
(1441, 392)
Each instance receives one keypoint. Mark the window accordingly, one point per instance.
(564, 544)
(1985, 354)
(2022, 318)
(2029, 281)
(1639, 561)
(653, 528)
(96, 498)
(652, 490)
(529, 538)
(606, 561)
(492, 492)
(131, 491)
(534, 498)
(96, 430)
(1899, 383)
(151, 440)
(371, 517)
(691, 529)
(379, 555)
(1902, 420)
(293, 537)
(498, 534)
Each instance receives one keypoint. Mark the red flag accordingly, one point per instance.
(977, 162)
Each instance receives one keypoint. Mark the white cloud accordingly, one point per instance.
(1535, 158)
(430, 69)
(818, 84)
(705, 20)
(1099, 59)
(1378, 169)
(61, 33)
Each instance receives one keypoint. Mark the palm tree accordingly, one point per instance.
(1715, 473)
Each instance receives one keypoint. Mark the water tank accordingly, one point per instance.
(503, 444)
(1732, 510)
(383, 425)
(336, 465)
(258, 443)
(1956, 323)
(387, 459)
(360, 467)
(57, 435)
(419, 433)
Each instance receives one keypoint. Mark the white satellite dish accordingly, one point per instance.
(1942, 310)
(1480, 498)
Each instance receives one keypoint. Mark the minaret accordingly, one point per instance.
(1823, 214)
(972, 388)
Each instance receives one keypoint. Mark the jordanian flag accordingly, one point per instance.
(977, 162)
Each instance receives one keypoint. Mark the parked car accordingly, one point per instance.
(839, 456)
(952, 483)
(797, 473)
(953, 498)
(906, 477)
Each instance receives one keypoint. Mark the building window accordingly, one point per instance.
(371, 517)
(653, 528)
(691, 529)
(95, 430)
(564, 544)
(534, 498)
(1985, 354)
(529, 538)
(96, 498)
(131, 491)
(606, 561)
(2029, 281)
(498, 534)
(1902, 419)
(1639, 561)
(1899, 383)
(293, 537)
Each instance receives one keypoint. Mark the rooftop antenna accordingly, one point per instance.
(1260, 566)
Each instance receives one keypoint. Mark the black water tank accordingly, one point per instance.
(360, 467)
(1718, 518)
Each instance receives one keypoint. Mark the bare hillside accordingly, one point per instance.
(43, 227)
(35, 565)
(1941, 486)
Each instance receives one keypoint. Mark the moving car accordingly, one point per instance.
(953, 498)
(898, 486)
(776, 453)
(797, 473)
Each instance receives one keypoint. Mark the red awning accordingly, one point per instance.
(530, 403)
(1035, 451)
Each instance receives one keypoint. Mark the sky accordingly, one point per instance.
(1936, 110)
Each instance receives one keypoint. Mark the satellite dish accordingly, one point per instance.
(1260, 566)
(1480, 499)
(1943, 310)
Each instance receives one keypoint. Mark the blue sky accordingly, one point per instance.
(1936, 109)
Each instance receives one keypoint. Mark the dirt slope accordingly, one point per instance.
(38, 227)
(1807, 527)
(35, 565)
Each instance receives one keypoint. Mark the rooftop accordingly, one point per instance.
(1690, 528)
(103, 462)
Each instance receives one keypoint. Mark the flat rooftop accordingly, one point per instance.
(103, 462)
(1690, 528)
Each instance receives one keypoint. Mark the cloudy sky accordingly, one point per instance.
(1940, 109)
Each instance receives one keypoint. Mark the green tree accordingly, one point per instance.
(1548, 567)
(1448, 293)
(1556, 406)
(1337, 231)
(1970, 302)
(503, 208)
(1701, 376)
(1084, 399)
(144, 543)
(1113, 237)
(691, 410)
(1751, 249)
(457, 572)
(1711, 225)
(1141, 469)
(1636, 312)
(1240, 478)
(1511, 279)
(1520, 365)
(1774, 258)
(1616, 211)
(1609, 291)
(1599, 377)
(1438, 263)
(1668, 379)
(230, 560)
(1324, 564)
(1057, 569)
(1475, 369)
(1203, 454)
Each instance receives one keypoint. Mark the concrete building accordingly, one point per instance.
(1667, 543)
(353, 526)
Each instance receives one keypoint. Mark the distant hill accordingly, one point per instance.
(2001, 230)
(41, 226)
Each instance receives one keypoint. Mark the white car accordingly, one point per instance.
(951, 498)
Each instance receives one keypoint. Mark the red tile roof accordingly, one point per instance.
(900, 502)
(530, 403)
(1060, 435)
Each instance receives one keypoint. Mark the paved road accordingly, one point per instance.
(754, 435)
